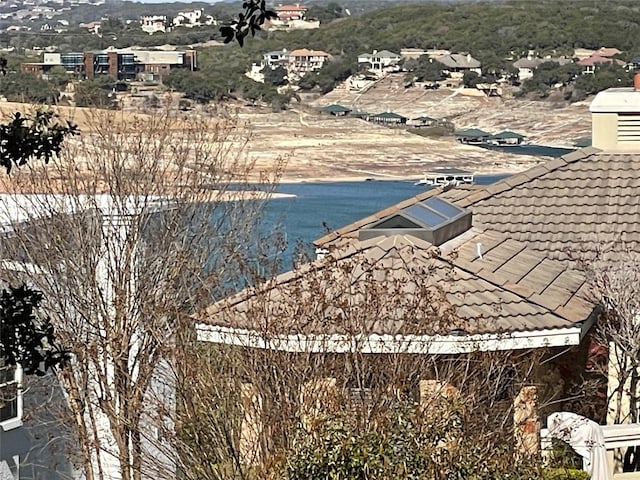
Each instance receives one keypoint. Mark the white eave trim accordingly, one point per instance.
(374, 343)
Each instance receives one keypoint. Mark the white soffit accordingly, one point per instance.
(411, 344)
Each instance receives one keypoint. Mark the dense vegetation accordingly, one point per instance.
(496, 33)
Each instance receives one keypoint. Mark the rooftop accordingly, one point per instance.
(582, 201)
(508, 289)
(623, 100)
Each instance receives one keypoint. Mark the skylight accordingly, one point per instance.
(433, 219)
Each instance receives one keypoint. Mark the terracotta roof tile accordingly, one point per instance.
(489, 299)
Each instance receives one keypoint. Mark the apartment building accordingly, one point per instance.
(122, 64)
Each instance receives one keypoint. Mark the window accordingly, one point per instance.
(8, 394)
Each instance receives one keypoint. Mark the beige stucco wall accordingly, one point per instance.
(604, 133)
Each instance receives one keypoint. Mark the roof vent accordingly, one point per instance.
(434, 220)
(615, 119)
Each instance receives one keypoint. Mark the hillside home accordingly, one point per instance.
(192, 18)
(456, 64)
(590, 64)
(153, 23)
(92, 27)
(291, 12)
(379, 61)
(303, 61)
(526, 66)
(276, 58)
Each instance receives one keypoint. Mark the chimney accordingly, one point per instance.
(615, 118)
(468, 58)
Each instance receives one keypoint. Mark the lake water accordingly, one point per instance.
(534, 150)
(320, 207)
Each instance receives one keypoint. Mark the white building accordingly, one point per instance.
(193, 18)
(153, 23)
(380, 60)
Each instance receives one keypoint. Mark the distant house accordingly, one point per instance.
(276, 58)
(153, 23)
(288, 13)
(93, 27)
(302, 61)
(193, 18)
(423, 121)
(472, 136)
(379, 61)
(526, 66)
(336, 110)
(412, 53)
(590, 64)
(388, 118)
(456, 64)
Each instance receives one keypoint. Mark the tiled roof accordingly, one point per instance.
(596, 59)
(285, 8)
(510, 288)
(527, 62)
(304, 52)
(575, 202)
(608, 51)
(457, 60)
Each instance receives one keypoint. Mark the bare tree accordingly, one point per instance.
(613, 272)
(336, 369)
(142, 220)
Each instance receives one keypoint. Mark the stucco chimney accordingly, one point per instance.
(615, 119)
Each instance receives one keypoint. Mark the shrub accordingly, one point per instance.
(564, 474)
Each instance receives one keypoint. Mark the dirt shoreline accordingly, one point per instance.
(321, 148)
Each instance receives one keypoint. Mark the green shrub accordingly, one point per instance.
(564, 474)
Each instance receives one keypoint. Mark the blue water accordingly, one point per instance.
(321, 207)
(535, 150)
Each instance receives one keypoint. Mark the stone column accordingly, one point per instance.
(433, 391)
(317, 396)
(251, 427)
(526, 422)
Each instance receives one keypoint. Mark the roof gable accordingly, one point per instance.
(507, 289)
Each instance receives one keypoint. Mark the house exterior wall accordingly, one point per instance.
(120, 64)
(604, 131)
(13, 443)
